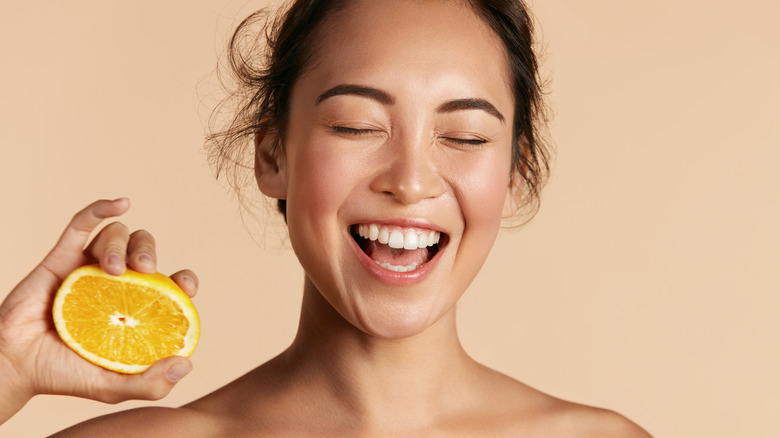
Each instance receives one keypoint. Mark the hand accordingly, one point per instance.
(33, 359)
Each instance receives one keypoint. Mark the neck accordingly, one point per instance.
(379, 382)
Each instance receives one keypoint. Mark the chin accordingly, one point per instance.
(396, 321)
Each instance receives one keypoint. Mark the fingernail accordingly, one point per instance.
(189, 280)
(114, 260)
(178, 371)
(146, 259)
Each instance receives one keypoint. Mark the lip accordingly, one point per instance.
(406, 223)
(393, 278)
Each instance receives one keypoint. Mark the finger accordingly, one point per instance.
(187, 281)
(67, 253)
(110, 248)
(153, 384)
(141, 252)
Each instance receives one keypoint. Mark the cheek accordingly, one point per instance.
(314, 194)
(482, 190)
(483, 186)
(310, 188)
(321, 181)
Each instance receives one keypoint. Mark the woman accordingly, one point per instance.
(397, 136)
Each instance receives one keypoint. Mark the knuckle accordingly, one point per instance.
(115, 248)
(112, 398)
(77, 223)
(108, 391)
(143, 240)
(75, 218)
(115, 400)
(142, 248)
(157, 392)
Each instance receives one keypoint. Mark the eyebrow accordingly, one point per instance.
(357, 90)
(470, 104)
(384, 98)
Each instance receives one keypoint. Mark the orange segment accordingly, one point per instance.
(124, 323)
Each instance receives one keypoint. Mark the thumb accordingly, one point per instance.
(153, 384)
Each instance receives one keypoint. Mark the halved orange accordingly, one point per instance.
(124, 323)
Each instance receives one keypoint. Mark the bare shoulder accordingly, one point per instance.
(147, 422)
(530, 412)
(215, 415)
(586, 421)
(555, 417)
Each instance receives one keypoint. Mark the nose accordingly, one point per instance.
(409, 173)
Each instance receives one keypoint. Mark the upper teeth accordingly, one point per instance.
(397, 238)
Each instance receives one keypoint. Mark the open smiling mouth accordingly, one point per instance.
(399, 249)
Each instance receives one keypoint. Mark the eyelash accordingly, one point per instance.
(350, 131)
(459, 141)
(467, 141)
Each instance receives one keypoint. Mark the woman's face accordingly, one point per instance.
(399, 134)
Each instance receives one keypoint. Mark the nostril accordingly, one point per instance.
(409, 180)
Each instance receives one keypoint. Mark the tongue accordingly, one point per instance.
(398, 257)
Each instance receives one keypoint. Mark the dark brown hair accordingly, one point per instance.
(266, 57)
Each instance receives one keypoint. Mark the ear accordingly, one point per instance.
(514, 191)
(514, 196)
(270, 167)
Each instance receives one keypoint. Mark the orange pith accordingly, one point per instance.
(124, 323)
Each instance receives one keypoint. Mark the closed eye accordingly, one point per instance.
(466, 141)
(351, 131)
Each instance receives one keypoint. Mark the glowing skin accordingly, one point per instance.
(399, 131)
(388, 131)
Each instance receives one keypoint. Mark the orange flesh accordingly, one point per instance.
(100, 315)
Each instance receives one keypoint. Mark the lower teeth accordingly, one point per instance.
(395, 268)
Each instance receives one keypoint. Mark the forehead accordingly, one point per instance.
(408, 43)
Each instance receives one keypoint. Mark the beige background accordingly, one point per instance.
(647, 283)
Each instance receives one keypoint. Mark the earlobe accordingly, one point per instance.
(270, 168)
